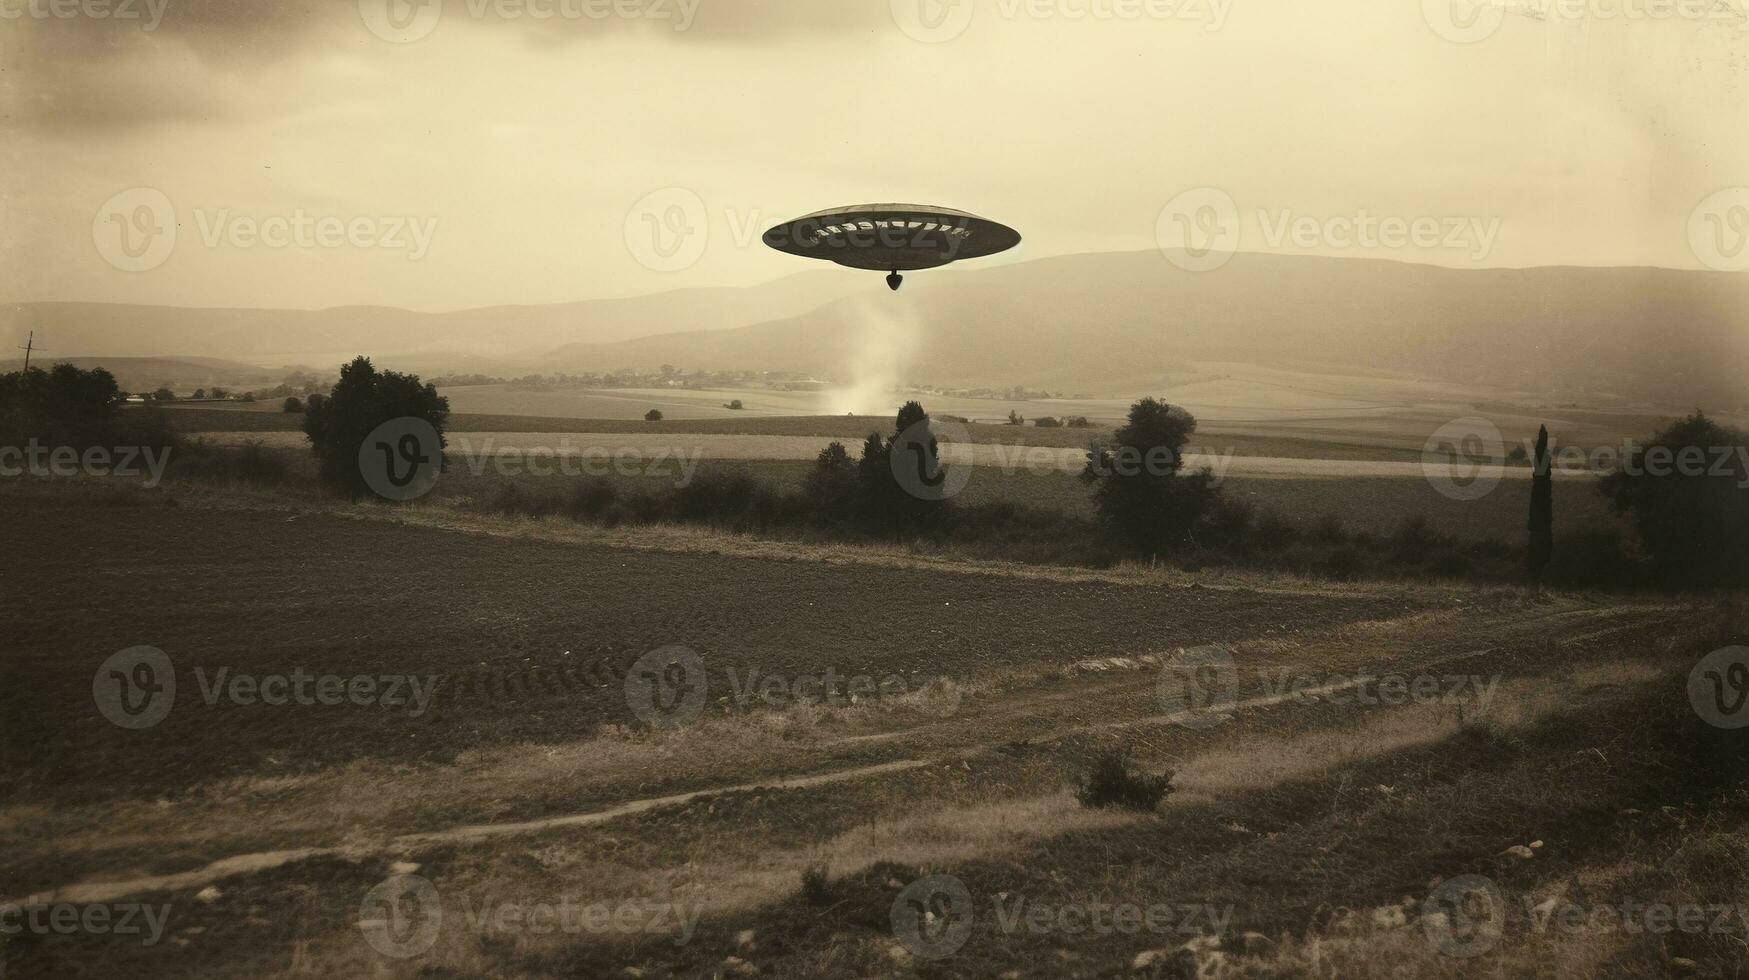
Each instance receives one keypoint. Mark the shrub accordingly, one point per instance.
(1273, 532)
(247, 465)
(831, 485)
(1227, 524)
(363, 399)
(1015, 418)
(1142, 499)
(1111, 783)
(734, 405)
(1078, 422)
(653, 415)
(816, 884)
(1592, 559)
(1046, 422)
(1344, 564)
(1330, 530)
(1685, 494)
(294, 405)
(1413, 542)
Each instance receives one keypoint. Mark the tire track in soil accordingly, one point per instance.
(97, 892)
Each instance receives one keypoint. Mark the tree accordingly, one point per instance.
(294, 404)
(831, 485)
(653, 415)
(1015, 418)
(734, 405)
(1542, 509)
(63, 405)
(199, 394)
(163, 395)
(1688, 495)
(362, 400)
(1141, 497)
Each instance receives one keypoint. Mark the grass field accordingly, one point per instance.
(1371, 504)
(1304, 835)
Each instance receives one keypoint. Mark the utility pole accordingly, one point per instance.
(29, 346)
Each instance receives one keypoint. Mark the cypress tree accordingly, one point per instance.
(1542, 509)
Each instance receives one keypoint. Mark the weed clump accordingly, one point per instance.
(1111, 782)
(816, 886)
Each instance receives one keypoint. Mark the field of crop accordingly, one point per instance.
(1310, 833)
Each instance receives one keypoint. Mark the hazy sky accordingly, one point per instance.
(527, 151)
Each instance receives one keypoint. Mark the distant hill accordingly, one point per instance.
(138, 374)
(1122, 322)
(1099, 324)
(496, 337)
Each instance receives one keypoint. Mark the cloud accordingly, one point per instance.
(153, 61)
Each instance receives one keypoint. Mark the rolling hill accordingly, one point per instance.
(488, 338)
(1099, 324)
(1121, 322)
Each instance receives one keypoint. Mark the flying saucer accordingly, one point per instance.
(892, 237)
